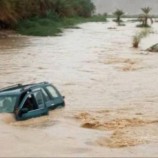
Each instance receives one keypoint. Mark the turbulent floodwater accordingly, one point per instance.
(110, 88)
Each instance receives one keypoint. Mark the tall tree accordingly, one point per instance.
(7, 13)
(14, 10)
(118, 13)
(145, 16)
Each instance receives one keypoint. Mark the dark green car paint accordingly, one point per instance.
(24, 92)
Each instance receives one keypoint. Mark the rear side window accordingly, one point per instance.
(52, 91)
(7, 103)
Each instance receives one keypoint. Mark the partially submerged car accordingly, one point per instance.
(32, 100)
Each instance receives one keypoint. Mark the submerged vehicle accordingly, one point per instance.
(32, 100)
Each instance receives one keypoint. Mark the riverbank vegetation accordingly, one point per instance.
(145, 17)
(139, 36)
(45, 17)
(52, 25)
(118, 14)
(49, 17)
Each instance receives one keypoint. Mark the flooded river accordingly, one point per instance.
(110, 88)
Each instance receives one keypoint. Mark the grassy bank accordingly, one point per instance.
(51, 26)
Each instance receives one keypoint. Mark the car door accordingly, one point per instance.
(32, 105)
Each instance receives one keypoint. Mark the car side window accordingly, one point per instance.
(45, 95)
(30, 103)
(52, 91)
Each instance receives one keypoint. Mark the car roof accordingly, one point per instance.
(18, 89)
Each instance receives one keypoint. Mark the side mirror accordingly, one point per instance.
(24, 110)
(63, 97)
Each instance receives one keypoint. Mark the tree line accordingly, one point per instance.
(143, 18)
(11, 11)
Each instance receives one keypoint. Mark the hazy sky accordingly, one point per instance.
(129, 6)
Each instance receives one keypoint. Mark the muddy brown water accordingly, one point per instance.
(105, 81)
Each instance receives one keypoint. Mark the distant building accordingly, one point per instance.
(131, 7)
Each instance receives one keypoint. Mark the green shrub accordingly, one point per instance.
(139, 36)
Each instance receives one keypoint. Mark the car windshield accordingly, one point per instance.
(7, 104)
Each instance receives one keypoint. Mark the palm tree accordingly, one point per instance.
(145, 17)
(118, 13)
